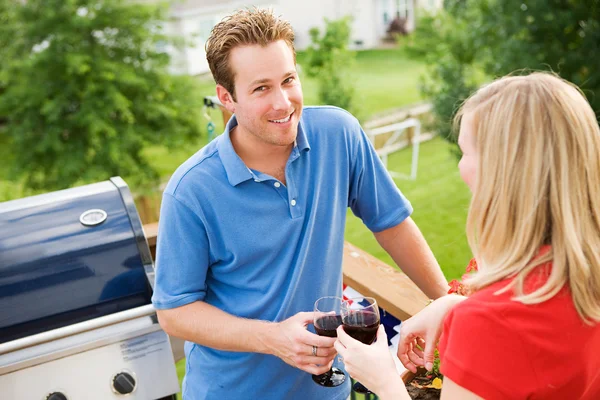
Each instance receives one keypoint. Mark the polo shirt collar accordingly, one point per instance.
(236, 170)
(301, 139)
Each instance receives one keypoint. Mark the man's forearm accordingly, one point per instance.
(409, 250)
(209, 326)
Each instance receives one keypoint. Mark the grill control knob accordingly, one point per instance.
(56, 396)
(123, 383)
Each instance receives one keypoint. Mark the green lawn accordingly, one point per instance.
(440, 200)
(180, 373)
(383, 79)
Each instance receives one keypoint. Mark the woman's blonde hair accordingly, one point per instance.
(538, 183)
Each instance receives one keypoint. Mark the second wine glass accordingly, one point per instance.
(360, 318)
(327, 318)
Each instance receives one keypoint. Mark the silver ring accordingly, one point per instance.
(315, 351)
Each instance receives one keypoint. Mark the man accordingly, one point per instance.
(252, 226)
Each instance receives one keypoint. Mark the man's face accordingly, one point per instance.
(268, 94)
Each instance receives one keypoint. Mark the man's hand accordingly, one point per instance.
(419, 334)
(293, 343)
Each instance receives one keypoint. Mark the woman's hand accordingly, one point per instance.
(372, 365)
(419, 335)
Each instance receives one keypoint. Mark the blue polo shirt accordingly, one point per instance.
(246, 243)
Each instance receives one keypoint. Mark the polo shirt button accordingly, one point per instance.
(293, 202)
(277, 184)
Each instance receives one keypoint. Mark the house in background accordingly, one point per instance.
(194, 19)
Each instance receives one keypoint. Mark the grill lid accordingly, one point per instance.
(70, 256)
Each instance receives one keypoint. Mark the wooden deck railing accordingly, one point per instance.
(392, 289)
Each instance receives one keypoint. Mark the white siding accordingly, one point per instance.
(371, 18)
(365, 25)
(306, 14)
(303, 15)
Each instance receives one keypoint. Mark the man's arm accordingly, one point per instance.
(409, 250)
(289, 340)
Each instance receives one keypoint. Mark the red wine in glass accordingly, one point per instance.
(327, 319)
(360, 318)
(327, 325)
(362, 325)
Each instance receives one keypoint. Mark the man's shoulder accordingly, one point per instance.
(323, 123)
(198, 169)
(328, 115)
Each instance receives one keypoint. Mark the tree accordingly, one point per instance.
(328, 61)
(475, 39)
(87, 88)
(559, 35)
(444, 42)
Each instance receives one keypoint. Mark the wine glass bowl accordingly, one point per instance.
(327, 318)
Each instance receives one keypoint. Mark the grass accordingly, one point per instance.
(386, 79)
(440, 200)
(180, 366)
(383, 79)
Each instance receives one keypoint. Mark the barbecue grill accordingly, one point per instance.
(76, 321)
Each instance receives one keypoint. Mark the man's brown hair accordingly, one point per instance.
(244, 27)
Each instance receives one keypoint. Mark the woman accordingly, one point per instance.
(530, 329)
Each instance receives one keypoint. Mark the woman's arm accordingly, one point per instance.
(452, 391)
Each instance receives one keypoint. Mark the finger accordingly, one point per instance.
(307, 317)
(428, 355)
(415, 359)
(340, 348)
(418, 350)
(344, 338)
(314, 369)
(418, 353)
(304, 360)
(322, 342)
(312, 339)
(381, 335)
(403, 357)
(404, 342)
(321, 351)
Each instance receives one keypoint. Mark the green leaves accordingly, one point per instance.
(328, 60)
(84, 87)
(474, 40)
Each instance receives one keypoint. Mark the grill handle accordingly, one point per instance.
(78, 328)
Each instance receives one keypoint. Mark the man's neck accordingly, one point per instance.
(258, 155)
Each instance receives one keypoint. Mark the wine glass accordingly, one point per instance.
(360, 318)
(327, 319)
